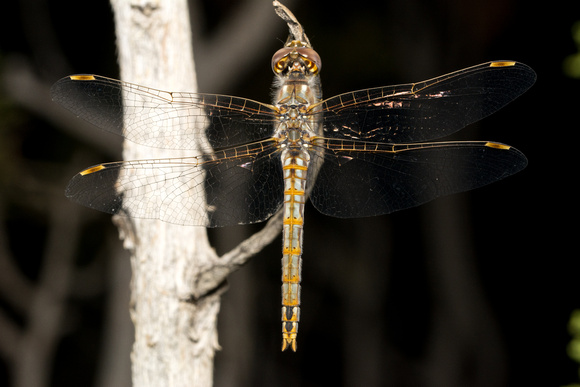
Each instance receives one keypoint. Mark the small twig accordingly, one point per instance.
(251, 246)
(218, 268)
(296, 30)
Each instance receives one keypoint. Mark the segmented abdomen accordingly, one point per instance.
(295, 166)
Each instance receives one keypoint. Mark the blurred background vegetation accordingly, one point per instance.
(472, 289)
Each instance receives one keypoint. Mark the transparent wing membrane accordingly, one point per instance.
(161, 119)
(370, 157)
(428, 110)
(240, 185)
(380, 179)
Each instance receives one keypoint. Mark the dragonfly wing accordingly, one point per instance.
(426, 110)
(375, 179)
(239, 185)
(160, 119)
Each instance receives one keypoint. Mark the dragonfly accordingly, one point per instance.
(358, 154)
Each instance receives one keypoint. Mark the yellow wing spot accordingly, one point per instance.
(82, 77)
(92, 170)
(497, 146)
(502, 64)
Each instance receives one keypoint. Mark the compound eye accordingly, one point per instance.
(280, 59)
(308, 56)
(311, 59)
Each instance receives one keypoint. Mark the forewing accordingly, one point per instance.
(426, 110)
(160, 119)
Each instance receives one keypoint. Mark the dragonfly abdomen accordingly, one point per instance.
(295, 166)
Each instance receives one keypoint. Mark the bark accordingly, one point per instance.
(174, 317)
(177, 277)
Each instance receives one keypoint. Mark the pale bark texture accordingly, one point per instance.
(177, 277)
(175, 319)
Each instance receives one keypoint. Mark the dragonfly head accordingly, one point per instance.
(296, 56)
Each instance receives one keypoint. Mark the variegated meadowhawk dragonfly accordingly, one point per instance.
(357, 154)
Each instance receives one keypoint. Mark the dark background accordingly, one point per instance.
(472, 289)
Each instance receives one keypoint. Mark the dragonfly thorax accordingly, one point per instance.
(294, 137)
(292, 114)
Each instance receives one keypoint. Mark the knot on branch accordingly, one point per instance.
(147, 8)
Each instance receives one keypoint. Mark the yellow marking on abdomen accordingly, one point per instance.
(294, 191)
(293, 221)
(295, 166)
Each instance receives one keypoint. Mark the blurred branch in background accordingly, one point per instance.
(33, 326)
(395, 285)
(574, 345)
(34, 322)
(571, 63)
